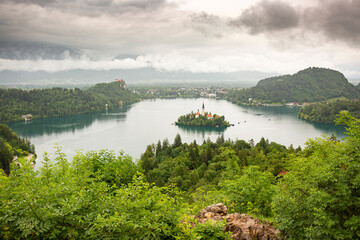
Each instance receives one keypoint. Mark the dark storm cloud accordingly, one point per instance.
(335, 19)
(267, 16)
(332, 19)
(338, 20)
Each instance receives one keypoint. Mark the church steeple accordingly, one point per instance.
(203, 110)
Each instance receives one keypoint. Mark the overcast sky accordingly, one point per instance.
(188, 35)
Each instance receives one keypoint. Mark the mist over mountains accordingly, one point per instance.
(68, 67)
(34, 51)
(82, 77)
(145, 76)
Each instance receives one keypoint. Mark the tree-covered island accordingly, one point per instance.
(203, 119)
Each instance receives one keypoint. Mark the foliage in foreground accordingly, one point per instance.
(216, 165)
(10, 145)
(71, 201)
(319, 198)
(100, 195)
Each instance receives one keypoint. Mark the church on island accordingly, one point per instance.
(208, 116)
(202, 119)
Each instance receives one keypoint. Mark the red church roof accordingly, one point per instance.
(197, 113)
(209, 115)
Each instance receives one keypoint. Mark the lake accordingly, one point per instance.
(135, 126)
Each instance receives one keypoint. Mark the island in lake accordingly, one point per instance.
(203, 119)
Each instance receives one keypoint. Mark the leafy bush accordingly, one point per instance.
(319, 197)
(210, 230)
(71, 200)
(251, 192)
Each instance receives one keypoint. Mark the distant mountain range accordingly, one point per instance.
(78, 77)
(309, 85)
(33, 51)
(143, 76)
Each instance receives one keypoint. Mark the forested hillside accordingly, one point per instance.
(41, 103)
(326, 112)
(309, 194)
(309, 85)
(11, 145)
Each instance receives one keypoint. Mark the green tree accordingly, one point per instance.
(158, 148)
(5, 156)
(177, 141)
(319, 197)
(251, 192)
(220, 139)
(76, 202)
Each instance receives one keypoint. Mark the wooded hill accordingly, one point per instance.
(42, 103)
(326, 112)
(309, 85)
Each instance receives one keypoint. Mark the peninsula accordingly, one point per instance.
(203, 119)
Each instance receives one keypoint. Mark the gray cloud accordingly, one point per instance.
(97, 7)
(267, 16)
(207, 24)
(97, 27)
(338, 20)
(332, 19)
(167, 37)
(204, 18)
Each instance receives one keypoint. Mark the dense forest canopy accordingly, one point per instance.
(326, 112)
(309, 85)
(41, 103)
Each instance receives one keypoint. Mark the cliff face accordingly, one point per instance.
(242, 226)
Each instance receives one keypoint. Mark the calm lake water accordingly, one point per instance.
(134, 127)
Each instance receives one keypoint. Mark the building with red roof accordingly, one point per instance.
(122, 83)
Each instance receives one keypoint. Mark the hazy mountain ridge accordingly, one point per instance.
(144, 76)
(34, 51)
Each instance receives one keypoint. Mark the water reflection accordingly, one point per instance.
(66, 124)
(339, 131)
(134, 127)
(202, 132)
(271, 110)
(275, 112)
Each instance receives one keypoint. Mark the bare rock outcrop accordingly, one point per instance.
(242, 226)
